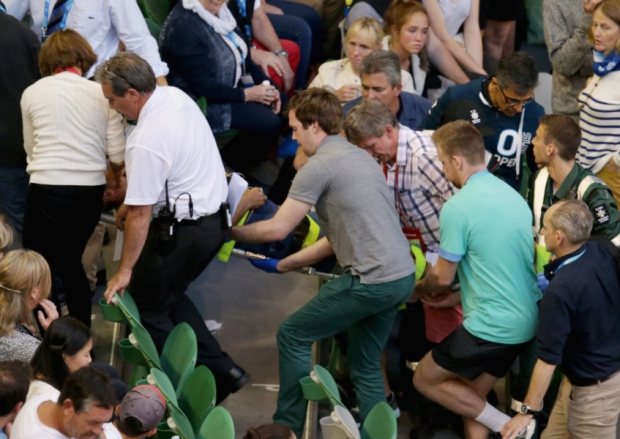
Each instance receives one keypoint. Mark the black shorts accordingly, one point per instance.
(503, 10)
(468, 356)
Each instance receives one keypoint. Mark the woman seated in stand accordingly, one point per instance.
(600, 99)
(6, 236)
(209, 56)
(342, 76)
(25, 283)
(65, 348)
(406, 27)
(453, 52)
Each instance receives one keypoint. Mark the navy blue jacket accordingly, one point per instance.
(579, 324)
(413, 109)
(503, 145)
(202, 64)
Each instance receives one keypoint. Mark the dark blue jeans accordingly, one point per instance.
(302, 25)
(13, 195)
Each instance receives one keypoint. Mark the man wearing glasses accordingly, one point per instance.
(507, 101)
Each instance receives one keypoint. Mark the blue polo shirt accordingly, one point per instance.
(487, 228)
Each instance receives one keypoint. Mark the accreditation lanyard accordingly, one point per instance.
(568, 261)
(244, 14)
(46, 13)
(231, 37)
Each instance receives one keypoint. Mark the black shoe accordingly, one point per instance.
(239, 378)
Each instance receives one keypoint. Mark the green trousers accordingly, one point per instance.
(367, 311)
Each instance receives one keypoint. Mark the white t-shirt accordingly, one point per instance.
(41, 388)
(454, 14)
(173, 141)
(27, 424)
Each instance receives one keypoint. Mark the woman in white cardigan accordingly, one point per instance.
(599, 101)
(69, 131)
(342, 76)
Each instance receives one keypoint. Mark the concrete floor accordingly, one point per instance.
(251, 305)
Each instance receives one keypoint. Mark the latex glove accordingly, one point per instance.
(543, 283)
(268, 265)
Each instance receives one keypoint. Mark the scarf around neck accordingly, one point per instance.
(224, 24)
(604, 64)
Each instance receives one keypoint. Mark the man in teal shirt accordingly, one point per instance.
(486, 238)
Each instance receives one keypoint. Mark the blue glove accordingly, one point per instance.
(543, 283)
(268, 265)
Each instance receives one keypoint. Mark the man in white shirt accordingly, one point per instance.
(175, 177)
(85, 403)
(104, 23)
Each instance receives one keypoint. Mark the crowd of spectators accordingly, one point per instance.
(435, 176)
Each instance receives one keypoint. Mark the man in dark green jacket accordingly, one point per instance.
(561, 178)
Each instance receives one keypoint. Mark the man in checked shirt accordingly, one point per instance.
(419, 188)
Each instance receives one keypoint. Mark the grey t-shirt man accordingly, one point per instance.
(356, 211)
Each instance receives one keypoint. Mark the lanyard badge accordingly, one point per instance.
(46, 17)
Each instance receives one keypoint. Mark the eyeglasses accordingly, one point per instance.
(514, 102)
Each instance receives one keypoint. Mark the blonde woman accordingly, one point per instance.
(342, 76)
(25, 283)
(6, 236)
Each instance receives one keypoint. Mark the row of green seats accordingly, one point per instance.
(190, 391)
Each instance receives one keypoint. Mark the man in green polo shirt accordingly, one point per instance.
(561, 178)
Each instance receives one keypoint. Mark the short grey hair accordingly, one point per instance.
(368, 119)
(572, 217)
(382, 61)
(127, 70)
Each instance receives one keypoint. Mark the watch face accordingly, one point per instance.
(523, 409)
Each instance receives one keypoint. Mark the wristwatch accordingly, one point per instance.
(281, 52)
(527, 410)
